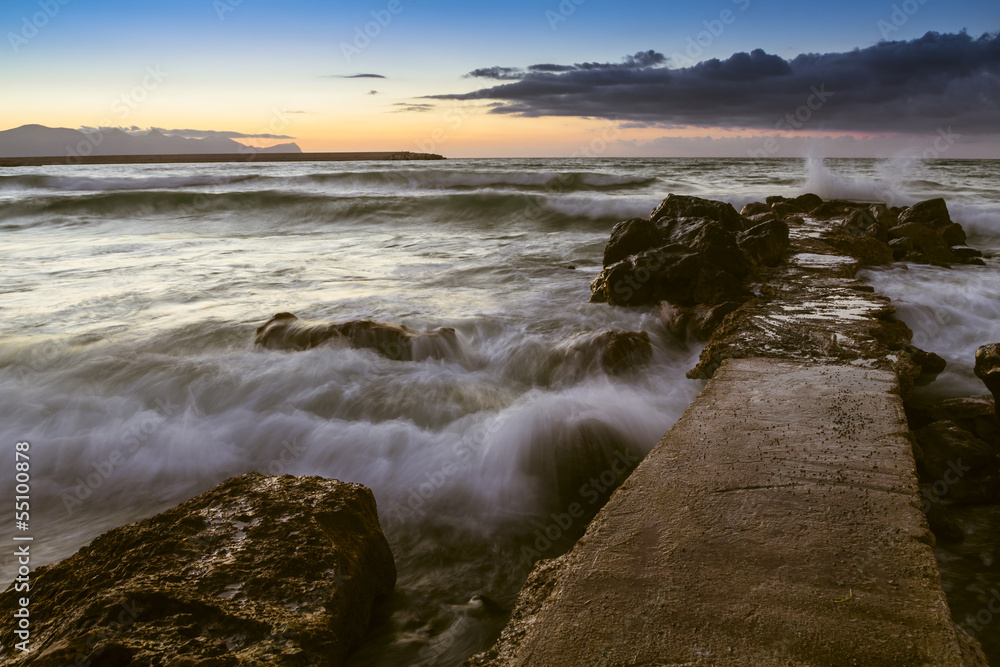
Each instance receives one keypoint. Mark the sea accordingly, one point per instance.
(130, 295)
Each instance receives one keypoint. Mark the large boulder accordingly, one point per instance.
(631, 237)
(285, 331)
(614, 351)
(765, 244)
(675, 209)
(259, 570)
(932, 212)
(988, 369)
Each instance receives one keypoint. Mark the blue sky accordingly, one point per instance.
(233, 62)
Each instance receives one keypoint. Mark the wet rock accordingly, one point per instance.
(285, 331)
(862, 222)
(987, 368)
(699, 321)
(629, 238)
(765, 244)
(259, 570)
(867, 250)
(965, 468)
(759, 218)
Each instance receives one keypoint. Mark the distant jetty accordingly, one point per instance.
(249, 156)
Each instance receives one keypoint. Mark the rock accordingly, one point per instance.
(259, 570)
(783, 208)
(807, 201)
(774, 199)
(926, 241)
(700, 321)
(680, 207)
(954, 235)
(900, 247)
(867, 250)
(755, 208)
(862, 222)
(835, 208)
(988, 368)
(630, 238)
(929, 363)
(964, 252)
(615, 351)
(761, 218)
(932, 213)
(285, 331)
(721, 248)
(963, 467)
(765, 244)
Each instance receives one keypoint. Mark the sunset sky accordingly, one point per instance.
(554, 78)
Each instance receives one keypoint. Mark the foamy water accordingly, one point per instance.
(130, 296)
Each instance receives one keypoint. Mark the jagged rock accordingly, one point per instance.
(765, 244)
(966, 468)
(867, 250)
(700, 321)
(988, 368)
(863, 222)
(932, 212)
(285, 331)
(677, 208)
(259, 570)
(629, 238)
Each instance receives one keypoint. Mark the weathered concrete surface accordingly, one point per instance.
(775, 524)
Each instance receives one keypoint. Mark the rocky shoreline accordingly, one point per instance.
(290, 571)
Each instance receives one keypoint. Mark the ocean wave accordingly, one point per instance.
(106, 184)
(482, 209)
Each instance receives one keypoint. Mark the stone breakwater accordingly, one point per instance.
(779, 521)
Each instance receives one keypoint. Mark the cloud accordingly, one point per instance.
(640, 60)
(916, 86)
(353, 76)
(373, 92)
(223, 134)
(412, 106)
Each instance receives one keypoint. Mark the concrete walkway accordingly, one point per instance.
(775, 524)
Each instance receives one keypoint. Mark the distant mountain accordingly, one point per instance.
(41, 141)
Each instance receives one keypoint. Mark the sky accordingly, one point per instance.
(547, 78)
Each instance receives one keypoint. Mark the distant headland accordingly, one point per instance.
(249, 156)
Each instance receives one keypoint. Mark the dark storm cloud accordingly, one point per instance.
(914, 86)
(638, 61)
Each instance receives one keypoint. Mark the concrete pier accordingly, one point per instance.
(778, 522)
